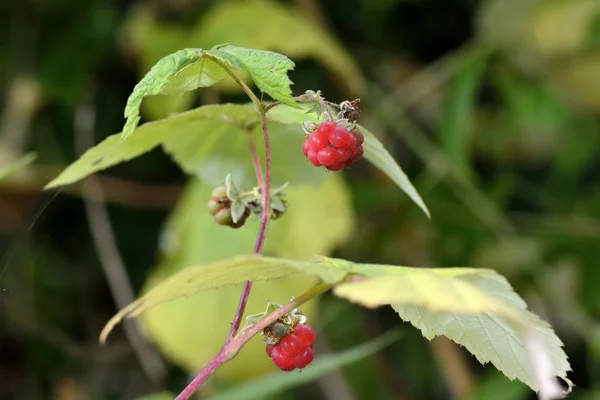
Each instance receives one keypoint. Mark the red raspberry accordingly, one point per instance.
(292, 345)
(305, 148)
(336, 167)
(341, 138)
(305, 333)
(304, 358)
(318, 140)
(312, 157)
(326, 127)
(333, 146)
(283, 361)
(346, 154)
(327, 156)
(269, 349)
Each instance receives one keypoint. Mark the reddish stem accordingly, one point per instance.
(230, 350)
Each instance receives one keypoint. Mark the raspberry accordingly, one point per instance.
(360, 139)
(359, 153)
(269, 349)
(317, 140)
(305, 333)
(304, 358)
(337, 166)
(333, 146)
(312, 157)
(283, 361)
(292, 345)
(341, 138)
(305, 148)
(327, 156)
(219, 207)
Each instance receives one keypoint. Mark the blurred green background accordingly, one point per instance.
(491, 107)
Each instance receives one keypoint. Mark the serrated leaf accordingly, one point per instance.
(17, 165)
(279, 381)
(189, 69)
(268, 70)
(287, 32)
(182, 71)
(375, 153)
(476, 308)
(227, 272)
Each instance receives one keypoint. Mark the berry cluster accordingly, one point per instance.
(219, 206)
(333, 146)
(294, 350)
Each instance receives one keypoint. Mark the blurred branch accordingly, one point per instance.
(454, 366)
(114, 190)
(108, 253)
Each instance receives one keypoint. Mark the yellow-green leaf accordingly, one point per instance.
(235, 270)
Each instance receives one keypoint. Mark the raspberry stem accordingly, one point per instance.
(233, 343)
(231, 349)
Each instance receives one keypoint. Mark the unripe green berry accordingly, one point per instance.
(219, 193)
(214, 206)
(223, 217)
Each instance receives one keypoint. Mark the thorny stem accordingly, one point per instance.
(231, 349)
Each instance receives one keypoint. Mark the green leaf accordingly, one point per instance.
(476, 308)
(189, 69)
(375, 153)
(17, 165)
(227, 272)
(182, 71)
(279, 381)
(288, 32)
(268, 70)
(191, 238)
(208, 142)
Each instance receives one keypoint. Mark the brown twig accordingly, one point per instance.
(108, 253)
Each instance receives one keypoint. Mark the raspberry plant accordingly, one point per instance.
(476, 308)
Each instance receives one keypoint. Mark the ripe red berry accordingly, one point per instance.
(269, 349)
(305, 333)
(345, 154)
(292, 345)
(283, 361)
(326, 127)
(336, 167)
(327, 156)
(317, 140)
(312, 157)
(304, 358)
(305, 148)
(341, 138)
